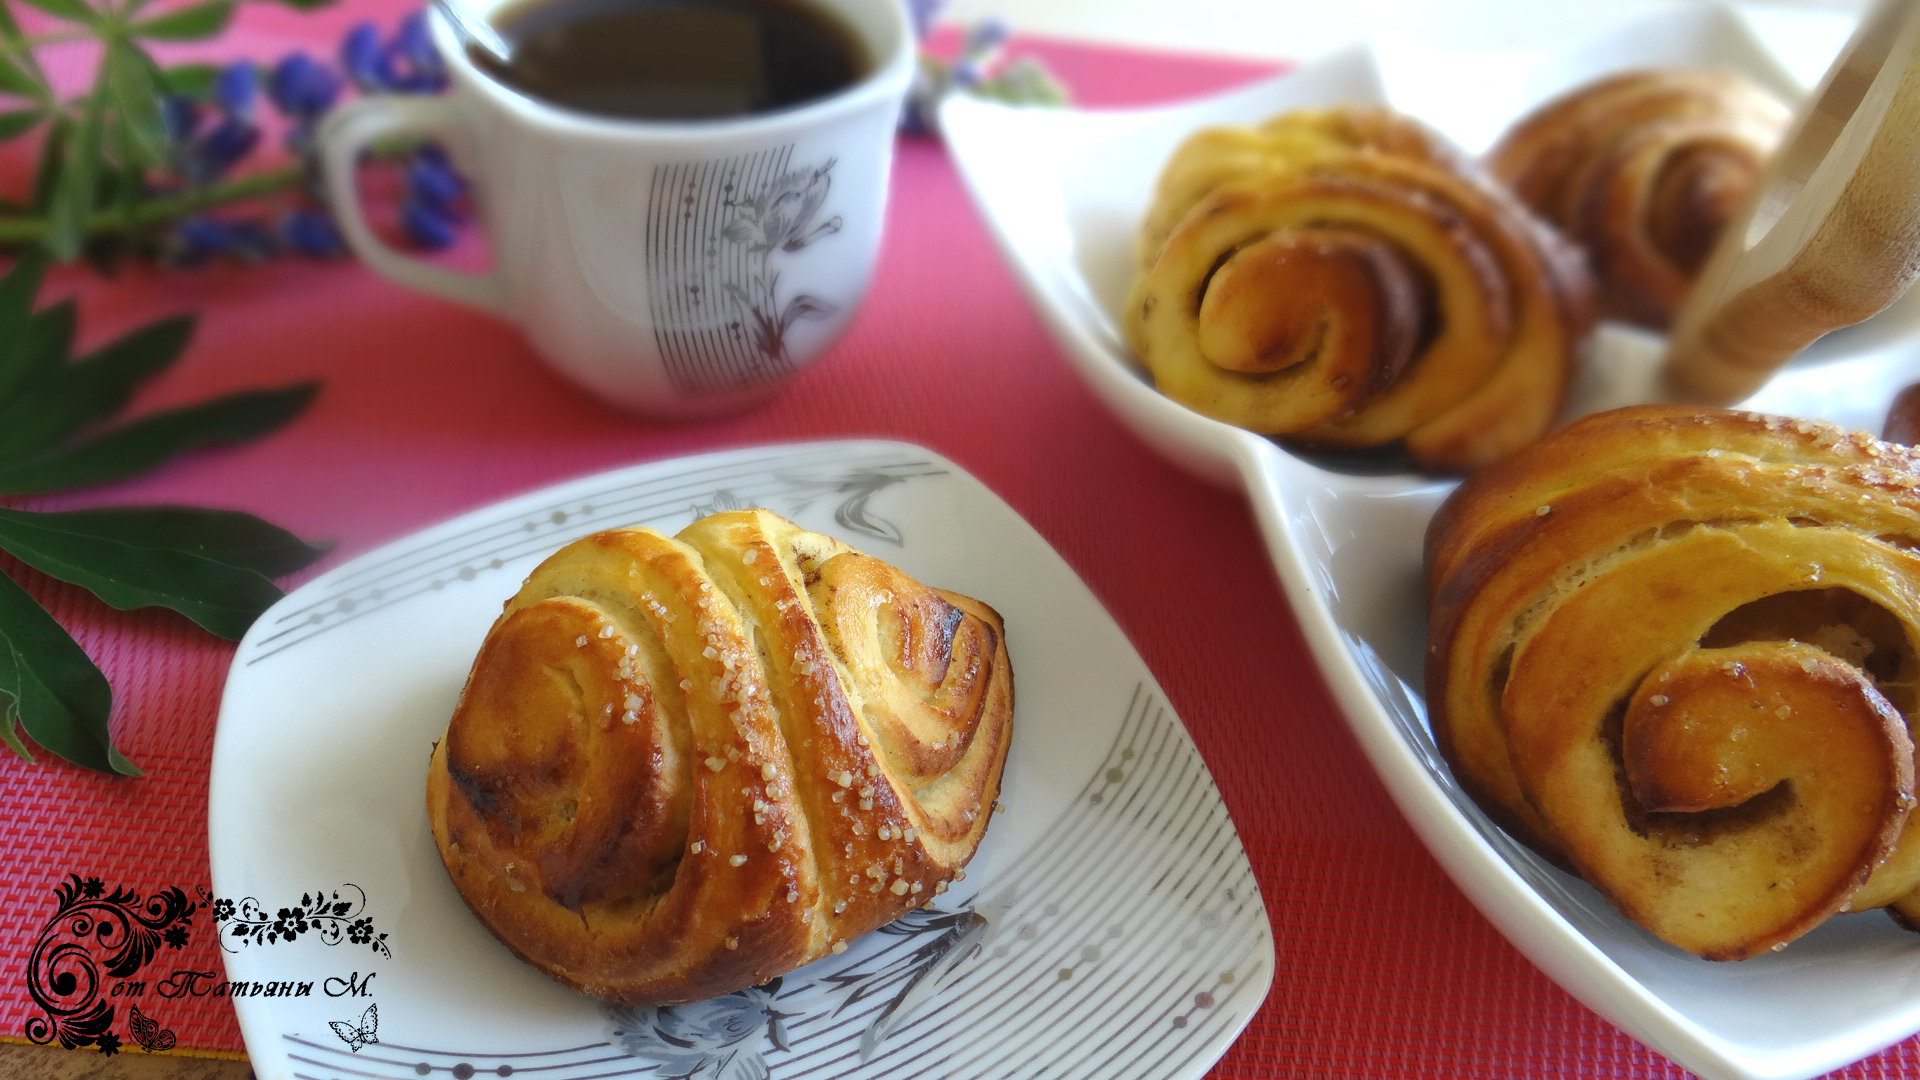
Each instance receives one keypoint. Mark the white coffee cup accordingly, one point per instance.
(678, 269)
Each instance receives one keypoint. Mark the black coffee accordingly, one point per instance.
(676, 59)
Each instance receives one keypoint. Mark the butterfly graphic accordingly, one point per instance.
(148, 1032)
(357, 1037)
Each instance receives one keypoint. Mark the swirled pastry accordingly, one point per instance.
(1348, 298)
(684, 765)
(1644, 170)
(1675, 650)
(1215, 156)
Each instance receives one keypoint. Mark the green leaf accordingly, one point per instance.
(16, 81)
(187, 23)
(71, 10)
(225, 536)
(124, 185)
(18, 122)
(52, 689)
(146, 443)
(17, 291)
(11, 35)
(68, 397)
(136, 102)
(111, 554)
(74, 193)
(53, 151)
(43, 346)
(189, 80)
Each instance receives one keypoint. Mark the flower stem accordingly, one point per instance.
(16, 231)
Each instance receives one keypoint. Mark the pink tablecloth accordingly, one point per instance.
(1384, 969)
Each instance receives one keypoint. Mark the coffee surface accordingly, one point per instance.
(676, 59)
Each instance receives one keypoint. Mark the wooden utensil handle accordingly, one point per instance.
(1832, 232)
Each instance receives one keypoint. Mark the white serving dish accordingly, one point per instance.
(1110, 925)
(1062, 192)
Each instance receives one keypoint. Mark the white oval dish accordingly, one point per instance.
(1062, 192)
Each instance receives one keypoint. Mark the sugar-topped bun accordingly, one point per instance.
(684, 765)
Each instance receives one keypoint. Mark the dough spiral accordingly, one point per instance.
(682, 766)
(1644, 170)
(1349, 298)
(1215, 156)
(1674, 649)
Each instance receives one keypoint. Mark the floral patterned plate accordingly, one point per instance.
(1110, 925)
(1063, 192)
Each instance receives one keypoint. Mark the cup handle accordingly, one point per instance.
(352, 128)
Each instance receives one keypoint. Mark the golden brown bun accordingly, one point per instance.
(1212, 157)
(1674, 649)
(1349, 298)
(683, 766)
(1644, 170)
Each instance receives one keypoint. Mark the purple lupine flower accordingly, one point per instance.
(406, 63)
(966, 73)
(200, 238)
(922, 13)
(202, 235)
(432, 180)
(203, 154)
(426, 227)
(181, 115)
(986, 35)
(302, 87)
(221, 148)
(430, 210)
(236, 89)
(312, 232)
(412, 47)
(363, 58)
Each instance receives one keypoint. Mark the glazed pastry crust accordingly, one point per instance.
(683, 766)
(1643, 170)
(1348, 292)
(1674, 650)
(1214, 157)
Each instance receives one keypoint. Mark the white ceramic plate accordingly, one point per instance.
(1062, 191)
(1110, 925)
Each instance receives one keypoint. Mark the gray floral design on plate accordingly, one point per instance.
(855, 489)
(728, 1038)
(719, 1039)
